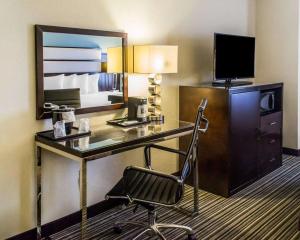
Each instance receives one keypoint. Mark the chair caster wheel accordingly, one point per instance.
(191, 237)
(117, 229)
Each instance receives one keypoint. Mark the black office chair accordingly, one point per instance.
(149, 188)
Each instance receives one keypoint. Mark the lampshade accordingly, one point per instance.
(114, 60)
(155, 59)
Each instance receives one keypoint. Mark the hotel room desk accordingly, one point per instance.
(105, 141)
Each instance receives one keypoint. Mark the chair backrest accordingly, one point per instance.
(192, 149)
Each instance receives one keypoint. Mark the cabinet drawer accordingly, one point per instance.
(271, 123)
(269, 156)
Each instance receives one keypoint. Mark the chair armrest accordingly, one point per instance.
(147, 151)
(167, 149)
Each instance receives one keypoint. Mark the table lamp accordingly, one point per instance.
(155, 60)
(115, 63)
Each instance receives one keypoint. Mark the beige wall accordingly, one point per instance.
(277, 38)
(190, 24)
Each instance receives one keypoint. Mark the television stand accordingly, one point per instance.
(229, 83)
(242, 144)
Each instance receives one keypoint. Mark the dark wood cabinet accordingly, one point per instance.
(243, 143)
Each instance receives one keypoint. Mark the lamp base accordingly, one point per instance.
(157, 118)
(155, 99)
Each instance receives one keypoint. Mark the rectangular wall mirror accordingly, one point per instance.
(80, 68)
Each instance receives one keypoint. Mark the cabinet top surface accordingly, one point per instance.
(252, 87)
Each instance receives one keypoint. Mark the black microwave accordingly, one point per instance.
(267, 101)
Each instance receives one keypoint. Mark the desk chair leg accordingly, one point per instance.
(160, 235)
(185, 228)
(83, 199)
(142, 233)
(188, 230)
(154, 227)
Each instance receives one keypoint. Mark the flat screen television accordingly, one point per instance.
(234, 58)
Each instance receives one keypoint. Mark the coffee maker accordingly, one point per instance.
(137, 109)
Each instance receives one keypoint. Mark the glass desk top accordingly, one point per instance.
(112, 139)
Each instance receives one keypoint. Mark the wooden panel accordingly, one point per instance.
(270, 143)
(271, 123)
(245, 120)
(269, 154)
(213, 146)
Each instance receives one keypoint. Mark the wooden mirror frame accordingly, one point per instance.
(39, 30)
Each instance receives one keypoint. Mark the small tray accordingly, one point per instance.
(49, 134)
(124, 122)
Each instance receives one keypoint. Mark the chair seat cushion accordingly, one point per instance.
(146, 186)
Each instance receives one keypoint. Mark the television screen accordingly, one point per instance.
(234, 57)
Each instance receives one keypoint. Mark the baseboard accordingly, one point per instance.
(291, 151)
(67, 221)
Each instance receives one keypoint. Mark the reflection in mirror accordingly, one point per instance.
(80, 69)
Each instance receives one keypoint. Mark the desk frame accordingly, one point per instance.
(83, 177)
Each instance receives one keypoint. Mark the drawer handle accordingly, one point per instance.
(273, 123)
(272, 159)
(272, 141)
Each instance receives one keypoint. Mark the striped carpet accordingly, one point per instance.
(268, 209)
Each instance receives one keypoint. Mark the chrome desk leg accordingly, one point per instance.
(83, 199)
(196, 181)
(38, 191)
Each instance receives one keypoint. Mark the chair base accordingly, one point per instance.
(153, 227)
